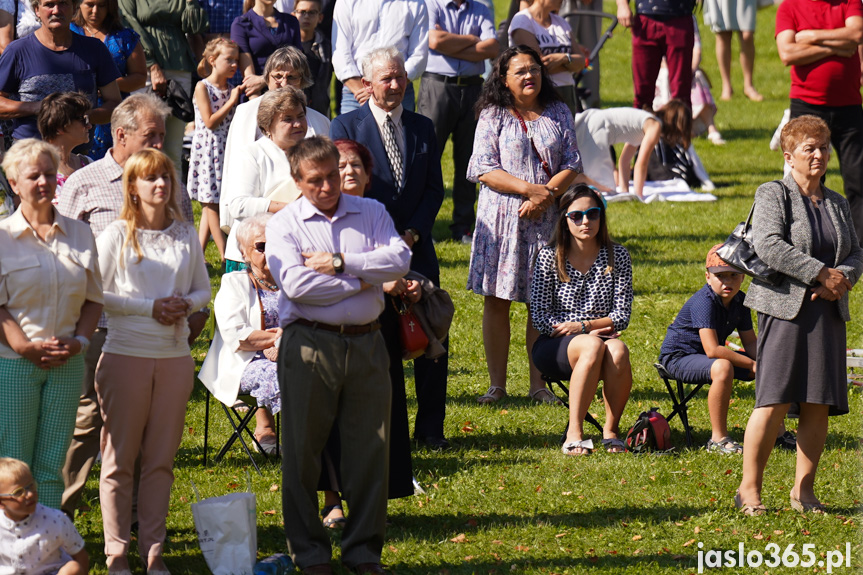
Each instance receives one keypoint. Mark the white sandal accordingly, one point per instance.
(584, 444)
(716, 139)
(491, 396)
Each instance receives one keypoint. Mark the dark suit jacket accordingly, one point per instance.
(416, 205)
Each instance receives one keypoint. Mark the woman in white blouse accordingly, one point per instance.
(580, 300)
(50, 302)
(259, 180)
(154, 277)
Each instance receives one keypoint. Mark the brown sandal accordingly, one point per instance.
(749, 509)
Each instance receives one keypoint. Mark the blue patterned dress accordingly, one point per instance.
(121, 44)
(504, 245)
(259, 377)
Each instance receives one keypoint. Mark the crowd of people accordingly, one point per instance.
(324, 231)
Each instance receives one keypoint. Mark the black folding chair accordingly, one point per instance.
(239, 416)
(557, 380)
(679, 398)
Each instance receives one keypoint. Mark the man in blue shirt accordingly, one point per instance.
(461, 38)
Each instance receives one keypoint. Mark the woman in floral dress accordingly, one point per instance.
(525, 155)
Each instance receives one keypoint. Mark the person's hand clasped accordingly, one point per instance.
(52, 352)
(271, 353)
(566, 328)
(170, 310)
(833, 285)
(539, 198)
(321, 262)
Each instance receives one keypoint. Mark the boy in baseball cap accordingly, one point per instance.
(694, 348)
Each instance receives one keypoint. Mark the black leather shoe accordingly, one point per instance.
(368, 568)
(434, 443)
(322, 569)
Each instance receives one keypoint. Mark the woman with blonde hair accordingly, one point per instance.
(154, 277)
(50, 302)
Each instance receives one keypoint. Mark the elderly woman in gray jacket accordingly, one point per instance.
(803, 230)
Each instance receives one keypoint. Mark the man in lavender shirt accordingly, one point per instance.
(330, 253)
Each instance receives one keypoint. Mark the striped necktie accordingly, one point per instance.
(394, 154)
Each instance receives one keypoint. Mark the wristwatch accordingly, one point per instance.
(415, 235)
(85, 343)
(338, 263)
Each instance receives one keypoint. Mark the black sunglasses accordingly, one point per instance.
(260, 246)
(578, 216)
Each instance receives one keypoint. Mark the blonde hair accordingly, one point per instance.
(27, 150)
(212, 50)
(12, 470)
(147, 161)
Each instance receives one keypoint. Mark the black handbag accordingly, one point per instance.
(179, 101)
(739, 253)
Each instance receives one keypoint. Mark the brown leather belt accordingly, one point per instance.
(342, 329)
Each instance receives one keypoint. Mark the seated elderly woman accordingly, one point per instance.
(580, 298)
(242, 358)
(64, 123)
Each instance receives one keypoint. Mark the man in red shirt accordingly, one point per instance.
(821, 41)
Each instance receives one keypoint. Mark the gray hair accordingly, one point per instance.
(275, 101)
(34, 4)
(249, 228)
(379, 57)
(289, 57)
(129, 111)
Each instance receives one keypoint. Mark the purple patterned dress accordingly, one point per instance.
(504, 245)
(259, 378)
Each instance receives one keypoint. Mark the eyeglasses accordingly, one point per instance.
(85, 119)
(532, 71)
(577, 216)
(311, 13)
(279, 76)
(21, 491)
(260, 246)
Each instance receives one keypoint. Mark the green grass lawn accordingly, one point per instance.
(505, 500)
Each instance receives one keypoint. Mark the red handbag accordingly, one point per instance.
(414, 339)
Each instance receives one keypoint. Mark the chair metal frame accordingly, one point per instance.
(239, 423)
(679, 398)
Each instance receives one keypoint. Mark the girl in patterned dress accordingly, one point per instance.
(215, 100)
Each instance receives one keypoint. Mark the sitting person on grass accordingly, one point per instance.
(694, 348)
(34, 538)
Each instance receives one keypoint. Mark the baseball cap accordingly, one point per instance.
(716, 264)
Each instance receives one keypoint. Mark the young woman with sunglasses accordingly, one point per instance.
(580, 301)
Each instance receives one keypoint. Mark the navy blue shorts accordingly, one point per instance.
(695, 368)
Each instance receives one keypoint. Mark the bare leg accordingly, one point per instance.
(811, 435)
(616, 374)
(204, 228)
(719, 396)
(758, 442)
(211, 211)
(747, 62)
(117, 563)
(585, 354)
(530, 337)
(495, 338)
(332, 498)
(723, 58)
(265, 423)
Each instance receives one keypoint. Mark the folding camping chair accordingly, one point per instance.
(679, 398)
(239, 416)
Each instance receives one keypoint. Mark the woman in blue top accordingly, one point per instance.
(259, 32)
(101, 19)
(580, 298)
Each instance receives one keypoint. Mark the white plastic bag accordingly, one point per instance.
(227, 532)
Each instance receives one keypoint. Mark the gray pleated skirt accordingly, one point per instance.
(803, 360)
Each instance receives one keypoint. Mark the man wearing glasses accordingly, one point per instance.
(316, 47)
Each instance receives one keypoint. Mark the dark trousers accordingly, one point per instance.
(651, 40)
(450, 108)
(846, 135)
(340, 381)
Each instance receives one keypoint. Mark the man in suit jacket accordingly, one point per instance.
(407, 179)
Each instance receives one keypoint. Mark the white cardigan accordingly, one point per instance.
(256, 171)
(238, 314)
(243, 133)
